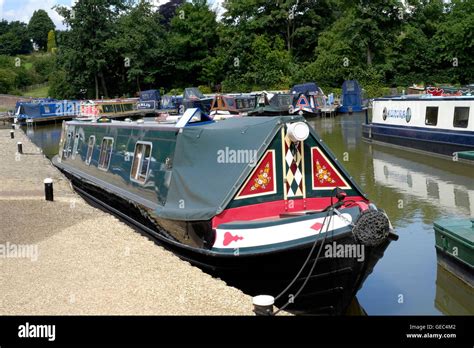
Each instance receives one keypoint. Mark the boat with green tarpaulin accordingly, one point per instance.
(255, 201)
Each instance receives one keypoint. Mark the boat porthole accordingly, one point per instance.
(384, 114)
(408, 115)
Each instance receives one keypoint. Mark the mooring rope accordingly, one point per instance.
(329, 213)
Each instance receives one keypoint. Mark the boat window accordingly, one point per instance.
(127, 107)
(105, 153)
(118, 108)
(141, 162)
(431, 118)
(108, 108)
(75, 146)
(90, 149)
(229, 102)
(67, 148)
(461, 117)
(408, 115)
(46, 109)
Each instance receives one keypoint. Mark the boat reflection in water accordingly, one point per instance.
(453, 296)
(452, 193)
(449, 194)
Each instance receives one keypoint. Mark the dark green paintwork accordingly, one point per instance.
(456, 237)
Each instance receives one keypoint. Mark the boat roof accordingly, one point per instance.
(305, 88)
(203, 145)
(193, 92)
(426, 97)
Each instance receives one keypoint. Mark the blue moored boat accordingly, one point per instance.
(442, 126)
(352, 97)
(308, 99)
(46, 110)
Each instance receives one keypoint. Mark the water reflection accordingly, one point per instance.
(415, 190)
(453, 296)
(46, 137)
(453, 193)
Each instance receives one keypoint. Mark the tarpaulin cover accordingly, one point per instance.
(151, 94)
(305, 88)
(351, 94)
(193, 92)
(201, 185)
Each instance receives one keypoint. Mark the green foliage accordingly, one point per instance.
(258, 44)
(59, 86)
(51, 42)
(14, 38)
(38, 28)
(205, 89)
(7, 80)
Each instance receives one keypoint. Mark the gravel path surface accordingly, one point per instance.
(79, 260)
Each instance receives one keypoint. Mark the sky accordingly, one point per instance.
(22, 10)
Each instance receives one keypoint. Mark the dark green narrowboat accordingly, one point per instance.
(455, 247)
(259, 202)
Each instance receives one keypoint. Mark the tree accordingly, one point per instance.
(52, 42)
(14, 38)
(298, 22)
(84, 52)
(139, 41)
(39, 26)
(191, 42)
(168, 11)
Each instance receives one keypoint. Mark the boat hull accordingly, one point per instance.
(329, 290)
(435, 142)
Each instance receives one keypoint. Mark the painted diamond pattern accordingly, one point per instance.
(294, 176)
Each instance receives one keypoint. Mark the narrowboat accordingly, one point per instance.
(440, 126)
(193, 98)
(455, 247)
(225, 106)
(110, 108)
(308, 98)
(272, 104)
(352, 98)
(149, 102)
(45, 110)
(171, 105)
(259, 202)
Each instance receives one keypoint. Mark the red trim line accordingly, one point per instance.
(275, 208)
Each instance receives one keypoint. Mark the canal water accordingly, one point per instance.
(414, 190)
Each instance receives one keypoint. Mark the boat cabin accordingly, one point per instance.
(224, 106)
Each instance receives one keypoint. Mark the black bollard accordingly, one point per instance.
(12, 134)
(263, 305)
(20, 147)
(48, 189)
(13, 126)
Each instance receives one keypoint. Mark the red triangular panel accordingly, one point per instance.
(325, 175)
(262, 180)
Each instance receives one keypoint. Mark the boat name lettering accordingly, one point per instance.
(396, 113)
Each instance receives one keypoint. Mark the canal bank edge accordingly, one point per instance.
(77, 259)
